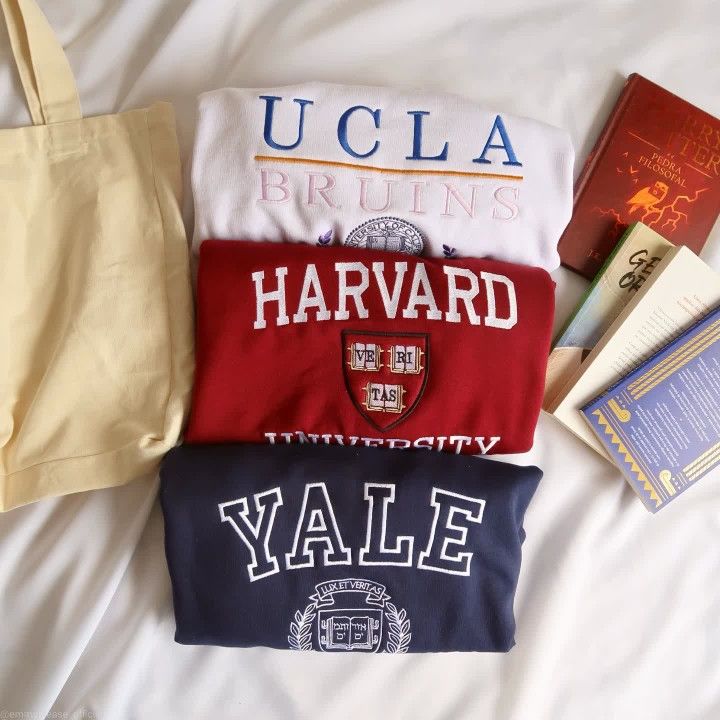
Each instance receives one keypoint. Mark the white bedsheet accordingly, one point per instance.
(618, 611)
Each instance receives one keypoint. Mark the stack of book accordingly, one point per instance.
(635, 371)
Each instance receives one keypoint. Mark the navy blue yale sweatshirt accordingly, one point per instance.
(342, 548)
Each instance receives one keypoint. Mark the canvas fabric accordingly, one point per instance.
(96, 349)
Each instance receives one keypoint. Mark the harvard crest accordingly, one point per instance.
(385, 373)
(350, 615)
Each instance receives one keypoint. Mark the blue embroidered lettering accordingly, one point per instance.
(342, 130)
(269, 111)
(499, 127)
(417, 139)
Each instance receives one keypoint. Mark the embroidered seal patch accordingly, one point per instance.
(387, 233)
(385, 374)
(350, 615)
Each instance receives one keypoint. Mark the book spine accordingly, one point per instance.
(604, 138)
(594, 283)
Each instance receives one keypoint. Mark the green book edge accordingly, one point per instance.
(595, 281)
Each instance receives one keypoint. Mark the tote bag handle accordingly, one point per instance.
(44, 70)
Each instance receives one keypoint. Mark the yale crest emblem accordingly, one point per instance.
(350, 615)
(385, 374)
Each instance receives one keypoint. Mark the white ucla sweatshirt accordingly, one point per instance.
(380, 168)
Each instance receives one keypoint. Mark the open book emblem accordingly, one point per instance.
(350, 629)
(350, 615)
(385, 373)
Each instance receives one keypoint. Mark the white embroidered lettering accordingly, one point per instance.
(255, 535)
(390, 302)
(316, 525)
(277, 296)
(355, 291)
(492, 320)
(485, 449)
(376, 550)
(420, 278)
(445, 532)
(317, 299)
(456, 294)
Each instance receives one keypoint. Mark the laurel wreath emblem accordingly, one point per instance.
(325, 239)
(399, 635)
(300, 637)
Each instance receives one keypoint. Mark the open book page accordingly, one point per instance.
(679, 293)
(630, 265)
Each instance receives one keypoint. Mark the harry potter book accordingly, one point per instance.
(661, 423)
(656, 161)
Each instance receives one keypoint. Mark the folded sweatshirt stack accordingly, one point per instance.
(372, 278)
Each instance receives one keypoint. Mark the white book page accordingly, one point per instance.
(684, 290)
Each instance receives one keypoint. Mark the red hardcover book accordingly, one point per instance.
(657, 160)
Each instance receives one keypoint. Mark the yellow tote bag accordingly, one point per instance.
(96, 349)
